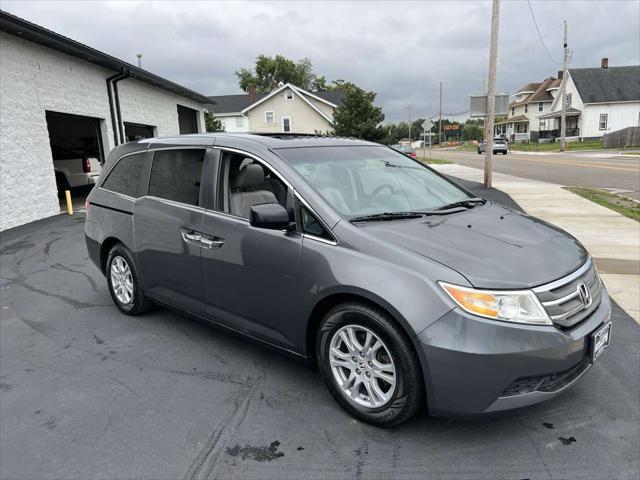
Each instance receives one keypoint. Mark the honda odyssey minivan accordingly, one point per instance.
(403, 287)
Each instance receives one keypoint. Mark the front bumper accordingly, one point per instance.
(473, 365)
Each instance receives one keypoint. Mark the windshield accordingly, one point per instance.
(366, 180)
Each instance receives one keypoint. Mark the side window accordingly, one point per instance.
(248, 182)
(126, 176)
(175, 175)
(311, 225)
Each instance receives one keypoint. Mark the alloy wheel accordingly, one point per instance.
(362, 366)
(121, 280)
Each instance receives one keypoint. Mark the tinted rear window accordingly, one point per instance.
(126, 176)
(175, 175)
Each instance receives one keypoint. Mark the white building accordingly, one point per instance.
(599, 100)
(60, 95)
(286, 109)
(530, 103)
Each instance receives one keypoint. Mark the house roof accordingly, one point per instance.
(570, 112)
(516, 119)
(238, 103)
(555, 84)
(529, 87)
(539, 94)
(35, 33)
(613, 84)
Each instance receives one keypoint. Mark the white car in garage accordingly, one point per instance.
(73, 169)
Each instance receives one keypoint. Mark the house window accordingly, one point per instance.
(526, 108)
(542, 125)
(513, 111)
(525, 128)
(289, 95)
(269, 117)
(540, 106)
(568, 99)
(604, 117)
(286, 124)
(239, 121)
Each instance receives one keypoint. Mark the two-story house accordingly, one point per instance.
(599, 100)
(286, 109)
(530, 103)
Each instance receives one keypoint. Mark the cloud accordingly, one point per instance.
(401, 50)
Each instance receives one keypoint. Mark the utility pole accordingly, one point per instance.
(563, 98)
(440, 118)
(409, 111)
(491, 93)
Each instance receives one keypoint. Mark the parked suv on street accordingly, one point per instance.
(403, 287)
(500, 145)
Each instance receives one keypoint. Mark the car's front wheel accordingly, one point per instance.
(369, 365)
(124, 282)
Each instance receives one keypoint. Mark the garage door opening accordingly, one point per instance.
(76, 148)
(137, 131)
(187, 120)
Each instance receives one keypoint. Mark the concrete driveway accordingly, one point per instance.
(87, 392)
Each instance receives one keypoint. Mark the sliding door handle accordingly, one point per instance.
(212, 242)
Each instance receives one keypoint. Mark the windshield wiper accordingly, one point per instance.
(388, 216)
(467, 202)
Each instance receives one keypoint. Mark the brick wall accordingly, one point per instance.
(34, 79)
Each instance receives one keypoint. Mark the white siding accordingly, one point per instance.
(619, 116)
(34, 79)
(231, 123)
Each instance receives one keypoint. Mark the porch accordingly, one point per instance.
(516, 129)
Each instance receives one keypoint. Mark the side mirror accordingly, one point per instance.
(269, 215)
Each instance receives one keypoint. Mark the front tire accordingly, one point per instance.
(369, 365)
(124, 282)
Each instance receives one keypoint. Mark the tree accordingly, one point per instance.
(269, 71)
(212, 123)
(473, 130)
(357, 116)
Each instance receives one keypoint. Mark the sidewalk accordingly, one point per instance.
(612, 239)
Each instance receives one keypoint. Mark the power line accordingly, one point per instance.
(539, 34)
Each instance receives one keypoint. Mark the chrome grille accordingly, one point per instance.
(571, 299)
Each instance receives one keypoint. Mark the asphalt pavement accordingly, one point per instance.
(87, 392)
(598, 169)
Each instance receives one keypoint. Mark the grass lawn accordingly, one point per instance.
(554, 147)
(468, 148)
(433, 160)
(631, 153)
(620, 204)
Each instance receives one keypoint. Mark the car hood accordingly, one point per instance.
(492, 246)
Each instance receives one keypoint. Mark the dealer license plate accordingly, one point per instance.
(600, 340)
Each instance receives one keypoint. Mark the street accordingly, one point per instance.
(88, 392)
(585, 169)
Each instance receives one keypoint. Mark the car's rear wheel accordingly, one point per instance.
(124, 282)
(369, 365)
(479, 152)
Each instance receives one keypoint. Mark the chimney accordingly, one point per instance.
(251, 90)
(605, 63)
(560, 74)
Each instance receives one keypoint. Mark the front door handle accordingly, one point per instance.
(212, 242)
(190, 236)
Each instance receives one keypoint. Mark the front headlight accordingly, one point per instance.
(521, 306)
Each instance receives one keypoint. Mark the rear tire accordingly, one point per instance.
(124, 282)
(377, 377)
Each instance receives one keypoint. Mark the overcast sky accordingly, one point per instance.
(399, 50)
